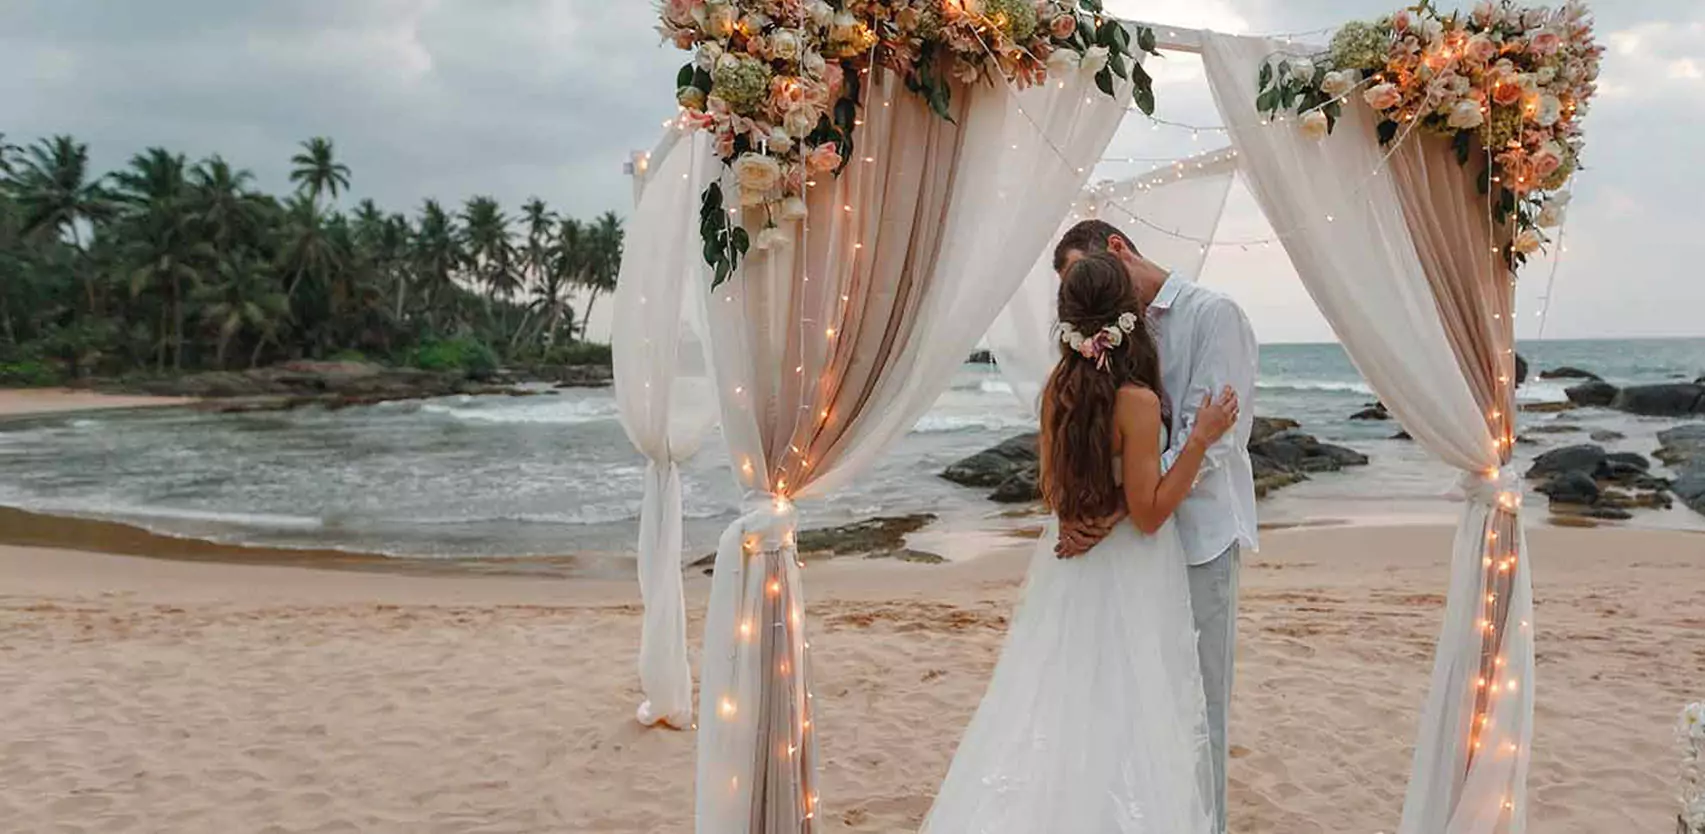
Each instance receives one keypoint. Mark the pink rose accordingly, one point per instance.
(1063, 26)
(825, 157)
(835, 77)
(1546, 42)
(1400, 21)
(1383, 96)
(1546, 160)
(680, 11)
(1481, 48)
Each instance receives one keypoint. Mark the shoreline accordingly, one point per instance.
(24, 403)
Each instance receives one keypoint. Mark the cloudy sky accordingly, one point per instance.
(513, 98)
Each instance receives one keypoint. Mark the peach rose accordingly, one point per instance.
(824, 157)
(1063, 26)
(1383, 96)
(1507, 93)
(1481, 48)
(1546, 42)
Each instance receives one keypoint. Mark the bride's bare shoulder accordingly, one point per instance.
(1138, 398)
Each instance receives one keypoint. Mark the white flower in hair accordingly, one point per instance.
(1097, 347)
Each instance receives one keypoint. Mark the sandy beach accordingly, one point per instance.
(149, 694)
(25, 402)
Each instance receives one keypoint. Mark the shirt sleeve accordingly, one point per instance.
(1226, 354)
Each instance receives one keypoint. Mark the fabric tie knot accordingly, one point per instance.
(1501, 486)
(769, 521)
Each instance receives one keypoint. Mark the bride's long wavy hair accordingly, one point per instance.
(1077, 475)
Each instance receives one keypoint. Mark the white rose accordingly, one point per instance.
(756, 174)
(1550, 215)
(814, 65)
(820, 12)
(785, 46)
(771, 238)
(1466, 115)
(1338, 82)
(1315, 125)
(1301, 70)
(1062, 61)
(793, 208)
(779, 141)
(1550, 110)
(1528, 242)
(1535, 17)
(727, 62)
(1483, 12)
(800, 121)
(709, 53)
(1432, 29)
(1547, 75)
(1094, 59)
(719, 20)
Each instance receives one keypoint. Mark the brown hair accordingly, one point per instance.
(1077, 405)
(1088, 238)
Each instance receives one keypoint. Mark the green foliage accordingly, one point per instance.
(30, 373)
(474, 358)
(578, 353)
(170, 264)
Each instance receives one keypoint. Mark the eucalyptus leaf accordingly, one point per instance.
(1146, 41)
(685, 77)
(1266, 77)
(1104, 80)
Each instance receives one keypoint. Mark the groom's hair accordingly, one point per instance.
(1089, 238)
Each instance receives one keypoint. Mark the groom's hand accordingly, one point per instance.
(1079, 537)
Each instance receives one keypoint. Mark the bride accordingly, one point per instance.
(1094, 720)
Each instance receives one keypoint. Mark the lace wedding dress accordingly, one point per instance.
(1094, 720)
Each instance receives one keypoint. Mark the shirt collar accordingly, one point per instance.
(1169, 292)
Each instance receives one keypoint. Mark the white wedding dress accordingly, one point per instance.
(1094, 721)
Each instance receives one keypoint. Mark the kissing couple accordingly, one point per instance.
(1107, 711)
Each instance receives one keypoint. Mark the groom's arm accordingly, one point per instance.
(1226, 355)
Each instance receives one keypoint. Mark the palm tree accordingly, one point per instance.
(243, 297)
(316, 172)
(489, 250)
(55, 194)
(603, 261)
(223, 202)
(161, 241)
(437, 256)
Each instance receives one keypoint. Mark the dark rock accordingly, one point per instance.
(1584, 460)
(1683, 447)
(1620, 465)
(1637, 500)
(1599, 512)
(1270, 476)
(1567, 372)
(1521, 370)
(1266, 427)
(981, 357)
(1021, 488)
(1301, 452)
(1555, 428)
(1571, 488)
(875, 538)
(1402, 435)
(1594, 393)
(1377, 411)
(993, 467)
(1666, 400)
(1549, 408)
(1608, 436)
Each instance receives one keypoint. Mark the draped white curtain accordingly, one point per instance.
(1167, 213)
(666, 404)
(1343, 225)
(911, 252)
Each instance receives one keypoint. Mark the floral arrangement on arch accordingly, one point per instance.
(777, 82)
(1690, 731)
(1507, 85)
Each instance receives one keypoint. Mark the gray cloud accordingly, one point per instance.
(433, 98)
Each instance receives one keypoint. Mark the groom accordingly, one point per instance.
(1205, 345)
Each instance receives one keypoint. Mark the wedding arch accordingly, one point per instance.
(817, 248)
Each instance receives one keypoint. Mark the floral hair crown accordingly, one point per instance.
(1100, 345)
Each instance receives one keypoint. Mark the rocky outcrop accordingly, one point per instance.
(1279, 453)
(1608, 436)
(1567, 372)
(1585, 480)
(1374, 411)
(1593, 393)
(295, 384)
(1675, 399)
(875, 538)
(1683, 451)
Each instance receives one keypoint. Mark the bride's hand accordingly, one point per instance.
(1215, 417)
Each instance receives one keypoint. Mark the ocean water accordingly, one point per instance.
(554, 474)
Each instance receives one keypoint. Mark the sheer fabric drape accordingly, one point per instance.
(1182, 205)
(1390, 266)
(828, 349)
(666, 404)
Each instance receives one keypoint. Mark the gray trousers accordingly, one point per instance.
(1213, 601)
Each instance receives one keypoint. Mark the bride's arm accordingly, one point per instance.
(1151, 496)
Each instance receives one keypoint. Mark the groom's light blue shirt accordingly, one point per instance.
(1205, 344)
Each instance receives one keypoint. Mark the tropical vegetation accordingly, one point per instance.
(170, 265)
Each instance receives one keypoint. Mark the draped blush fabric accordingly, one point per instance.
(1457, 241)
(666, 405)
(1392, 277)
(1185, 201)
(829, 347)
